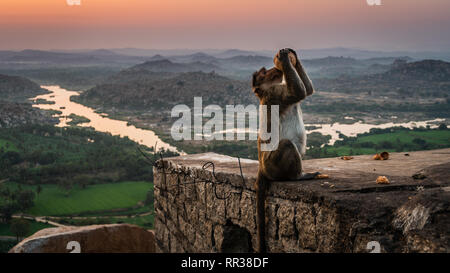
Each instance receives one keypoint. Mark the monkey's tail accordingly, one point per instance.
(261, 188)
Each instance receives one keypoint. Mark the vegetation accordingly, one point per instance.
(397, 139)
(52, 201)
(14, 200)
(70, 156)
(18, 89)
(148, 92)
(5, 228)
(68, 172)
(20, 228)
(5, 246)
(142, 221)
(75, 120)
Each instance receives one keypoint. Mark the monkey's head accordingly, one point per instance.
(264, 79)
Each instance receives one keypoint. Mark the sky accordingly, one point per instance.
(415, 25)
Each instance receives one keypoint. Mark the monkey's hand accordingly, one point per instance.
(293, 52)
(283, 56)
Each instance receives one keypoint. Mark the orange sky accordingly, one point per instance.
(247, 24)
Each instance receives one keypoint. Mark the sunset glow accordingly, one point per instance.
(252, 24)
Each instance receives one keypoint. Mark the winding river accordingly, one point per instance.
(351, 130)
(100, 122)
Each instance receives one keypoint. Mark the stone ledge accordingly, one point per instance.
(339, 214)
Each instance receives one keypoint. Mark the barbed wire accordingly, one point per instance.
(185, 175)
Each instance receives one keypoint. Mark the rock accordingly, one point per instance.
(17, 114)
(342, 213)
(116, 238)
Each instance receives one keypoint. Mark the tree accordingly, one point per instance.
(66, 186)
(25, 200)
(20, 228)
(442, 126)
(149, 198)
(12, 157)
(7, 210)
(39, 189)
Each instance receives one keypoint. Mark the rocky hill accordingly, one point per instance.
(147, 91)
(16, 114)
(19, 89)
(424, 78)
(165, 65)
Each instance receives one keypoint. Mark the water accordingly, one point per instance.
(100, 122)
(352, 130)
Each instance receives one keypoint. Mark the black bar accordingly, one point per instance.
(168, 263)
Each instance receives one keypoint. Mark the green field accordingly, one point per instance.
(437, 137)
(34, 227)
(142, 221)
(52, 201)
(390, 140)
(7, 145)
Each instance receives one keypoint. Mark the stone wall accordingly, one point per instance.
(201, 210)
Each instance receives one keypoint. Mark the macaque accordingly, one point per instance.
(285, 85)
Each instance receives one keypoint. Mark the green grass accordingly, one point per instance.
(5, 246)
(34, 227)
(398, 140)
(7, 145)
(52, 201)
(75, 120)
(433, 137)
(142, 221)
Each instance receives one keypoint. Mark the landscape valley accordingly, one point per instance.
(57, 167)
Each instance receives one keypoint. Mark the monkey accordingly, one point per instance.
(284, 86)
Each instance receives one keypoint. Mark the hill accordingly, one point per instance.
(428, 78)
(165, 65)
(17, 114)
(19, 89)
(151, 93)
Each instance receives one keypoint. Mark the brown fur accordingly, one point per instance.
(284, 163)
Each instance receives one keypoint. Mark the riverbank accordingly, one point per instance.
(61, 102)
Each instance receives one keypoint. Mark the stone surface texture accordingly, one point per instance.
(201, 210)
(116, 238)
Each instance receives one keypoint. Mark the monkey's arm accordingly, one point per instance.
(303, 75)
(296, 90)
(305, 79)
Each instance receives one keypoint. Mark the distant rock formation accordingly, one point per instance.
(18, 89)
(17, 114)
(143, 89)
(116, 238)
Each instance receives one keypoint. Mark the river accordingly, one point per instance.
(100, 122)
(351, 130)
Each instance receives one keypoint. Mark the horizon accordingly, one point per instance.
(202, 50)
(256, 25)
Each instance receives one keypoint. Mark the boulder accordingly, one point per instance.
(116, 238)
